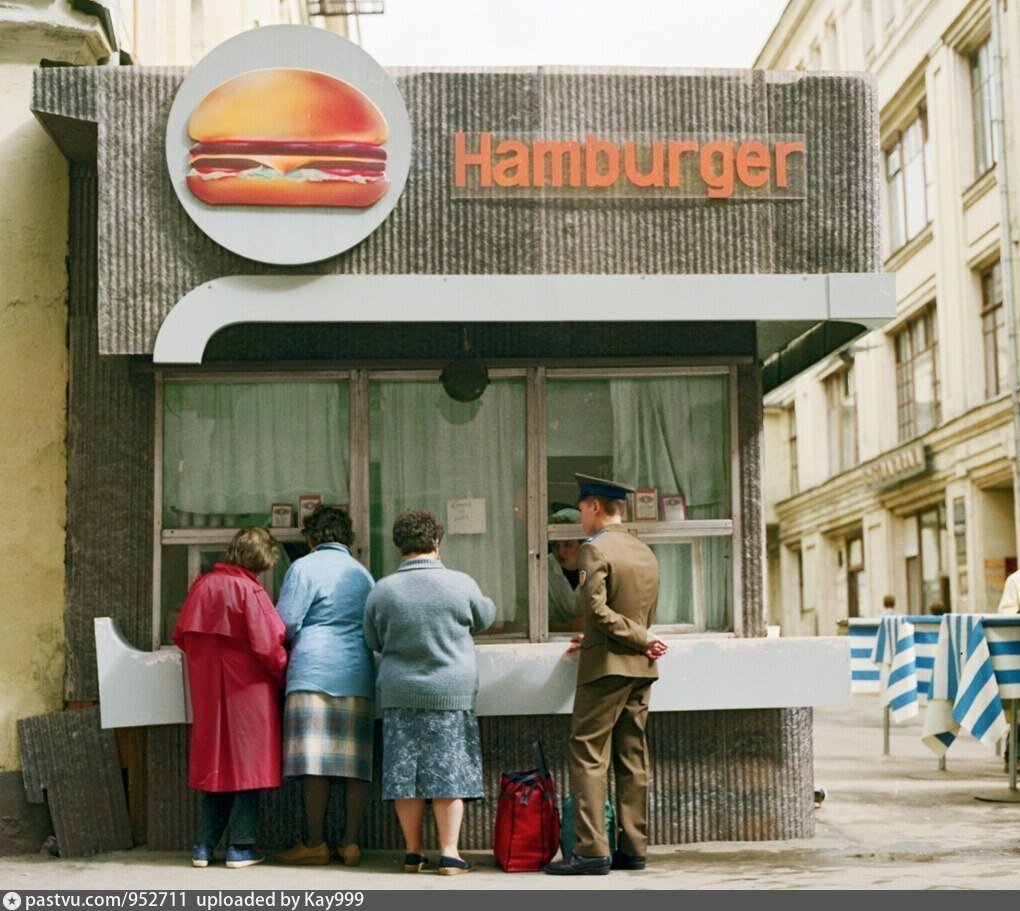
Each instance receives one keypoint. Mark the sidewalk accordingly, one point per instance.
(893, 822)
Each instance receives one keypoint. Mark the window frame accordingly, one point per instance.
(539, 534)
(896, 181)
(907, 426)
(983, 103)
(841, 404)
(993, 315)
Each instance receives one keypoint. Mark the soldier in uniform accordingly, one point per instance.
(619, 582)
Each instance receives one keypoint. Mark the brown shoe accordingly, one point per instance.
(303, 856)
(350, 855)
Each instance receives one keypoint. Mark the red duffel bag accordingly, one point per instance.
(527, 827)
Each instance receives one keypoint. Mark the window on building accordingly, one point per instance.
(917, 384)
(868, 25)
(855, 577)
(960, 540)
(491, 470)
(791, 448)
(993, 331)
(982, 93)
(909, 175)
(831, 46)
(928, 561)
(842, 420)
(815, 57)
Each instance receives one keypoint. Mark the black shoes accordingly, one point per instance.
(576, 865)
(624, 861)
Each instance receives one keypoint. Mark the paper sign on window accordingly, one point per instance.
(465, 517)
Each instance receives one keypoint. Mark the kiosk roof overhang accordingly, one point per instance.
(785, 308)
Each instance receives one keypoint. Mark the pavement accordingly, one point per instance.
(893, 822)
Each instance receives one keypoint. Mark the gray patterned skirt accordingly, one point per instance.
(431, 754)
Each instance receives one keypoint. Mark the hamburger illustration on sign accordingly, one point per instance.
(288, 144)
(287, 137)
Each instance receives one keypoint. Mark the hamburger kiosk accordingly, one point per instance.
(313, 280)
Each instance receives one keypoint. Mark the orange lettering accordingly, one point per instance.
(676, 149)
(463, 159)
(512, 170)
(556, 152)
(593, 149)
(783, 151)
(753, 157)
(653, 177)
(720, 182)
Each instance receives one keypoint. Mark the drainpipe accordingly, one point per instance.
(1006, 254)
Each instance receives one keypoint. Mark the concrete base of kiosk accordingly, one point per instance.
(730, 734)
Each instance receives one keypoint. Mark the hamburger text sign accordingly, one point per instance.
(292, 161)
(287, 137)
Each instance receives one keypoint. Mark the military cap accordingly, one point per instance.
(599, 487)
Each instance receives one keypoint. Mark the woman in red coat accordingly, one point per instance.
(233, 639)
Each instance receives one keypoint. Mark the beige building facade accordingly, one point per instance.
(890, 465)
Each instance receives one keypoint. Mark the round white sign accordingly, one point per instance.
(288, 144)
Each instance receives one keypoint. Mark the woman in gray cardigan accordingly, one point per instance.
(421, 620)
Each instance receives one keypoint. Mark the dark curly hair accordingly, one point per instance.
(329, 525)
(417, 532)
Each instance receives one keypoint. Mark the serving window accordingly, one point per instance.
(498, 472)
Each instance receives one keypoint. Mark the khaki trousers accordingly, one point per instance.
(608, 724)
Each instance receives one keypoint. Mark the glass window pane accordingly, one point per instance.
(231, 450)
(666, 433)
(427, 451)
(924, 390)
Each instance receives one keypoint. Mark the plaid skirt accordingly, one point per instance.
(328, 735)
(431, 754)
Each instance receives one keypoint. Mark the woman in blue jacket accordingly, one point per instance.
(329, 712)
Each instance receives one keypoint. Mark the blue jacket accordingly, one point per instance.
(322, 604)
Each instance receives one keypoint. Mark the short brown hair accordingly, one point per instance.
(610, 505)
(253, 548)
(417, 532)
(329, 525)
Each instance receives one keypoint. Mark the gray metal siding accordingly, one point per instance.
(151, 254)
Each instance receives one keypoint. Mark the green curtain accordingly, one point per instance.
(234, 449)
(429, 450)
(673, 434)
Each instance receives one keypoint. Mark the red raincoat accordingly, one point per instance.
(233, 639)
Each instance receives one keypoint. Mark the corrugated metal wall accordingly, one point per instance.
(715, 776)
(109, 468)
(151, 254)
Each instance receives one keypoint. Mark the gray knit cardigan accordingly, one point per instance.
(421, 619)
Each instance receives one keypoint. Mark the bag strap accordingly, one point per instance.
(543, 769)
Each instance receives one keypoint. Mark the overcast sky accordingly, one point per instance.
(676, 33)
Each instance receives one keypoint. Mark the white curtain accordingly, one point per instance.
(673, 434)
(430, 450)
(237, 448)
